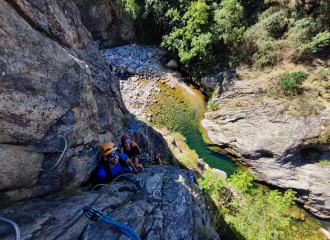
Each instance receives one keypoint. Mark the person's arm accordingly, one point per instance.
(121, 148)
(130, 164)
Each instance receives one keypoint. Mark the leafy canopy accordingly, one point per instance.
(254, 212)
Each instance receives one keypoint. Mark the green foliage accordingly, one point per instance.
(304, 29)
(197, 25)
(241, 180)
(253, 212)
(212, 105)
(324, 161)
(291, 83)
(275, 24)
(165, 178)
(317, 43)
(192, 36)
(214, 187)
(260, 214)
(130, 8)
(228, 25)
(208, 92)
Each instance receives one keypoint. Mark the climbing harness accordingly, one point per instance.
(95, 215)
(66, 145)
(105, 185)
(14, 225)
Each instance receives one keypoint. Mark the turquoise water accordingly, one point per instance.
(181, 112)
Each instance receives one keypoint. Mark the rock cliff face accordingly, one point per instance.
(54, 83)
(181, 215)
(107, 19)
(271, 144)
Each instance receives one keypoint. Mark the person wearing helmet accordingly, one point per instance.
(157, 159)
(191, 175)
(132, 150)
(114, 164)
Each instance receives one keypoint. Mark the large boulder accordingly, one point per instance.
(54, 83)
(271, 144)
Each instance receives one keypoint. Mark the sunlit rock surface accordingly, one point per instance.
(270, 143)
(182, 214)
(55, 83)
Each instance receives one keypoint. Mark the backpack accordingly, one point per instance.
(108, 170)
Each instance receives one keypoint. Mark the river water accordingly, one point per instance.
(181, 111)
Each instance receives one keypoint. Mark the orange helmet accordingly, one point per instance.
(107, 148)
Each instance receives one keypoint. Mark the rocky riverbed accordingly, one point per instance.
(271, 144)
(140, 69)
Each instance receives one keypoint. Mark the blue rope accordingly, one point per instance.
(129, 232)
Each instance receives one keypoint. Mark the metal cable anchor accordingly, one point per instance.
(66, 145)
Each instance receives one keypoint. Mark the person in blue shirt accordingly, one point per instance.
(114, 164)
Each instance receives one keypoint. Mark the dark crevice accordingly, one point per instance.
(300, 192)
(235, 120)
(82, 232)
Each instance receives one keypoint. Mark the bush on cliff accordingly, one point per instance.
(250, 212)
(291, 82)
(253, 212)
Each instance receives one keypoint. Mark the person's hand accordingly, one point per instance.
(135, 170)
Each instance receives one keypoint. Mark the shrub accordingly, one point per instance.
(323, 73)
(130, 8)
(324, 161)
(228, 18)
(165, 178)
(275, 24)
(253, 212)
(291, 83)
(192, 37)
(212, 105)
(208, 92)
(317, 43)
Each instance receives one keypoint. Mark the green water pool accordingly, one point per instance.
(181, 111)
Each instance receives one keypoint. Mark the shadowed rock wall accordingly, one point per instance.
(53, 83)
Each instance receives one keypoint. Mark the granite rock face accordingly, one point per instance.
(54, 83)
(271, 144)
(108, 19)
(181, 215)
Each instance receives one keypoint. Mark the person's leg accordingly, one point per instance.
(137, 165)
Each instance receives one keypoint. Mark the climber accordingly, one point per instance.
(157, 159)
(114, 164)
(191, 175)
(132, 150)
